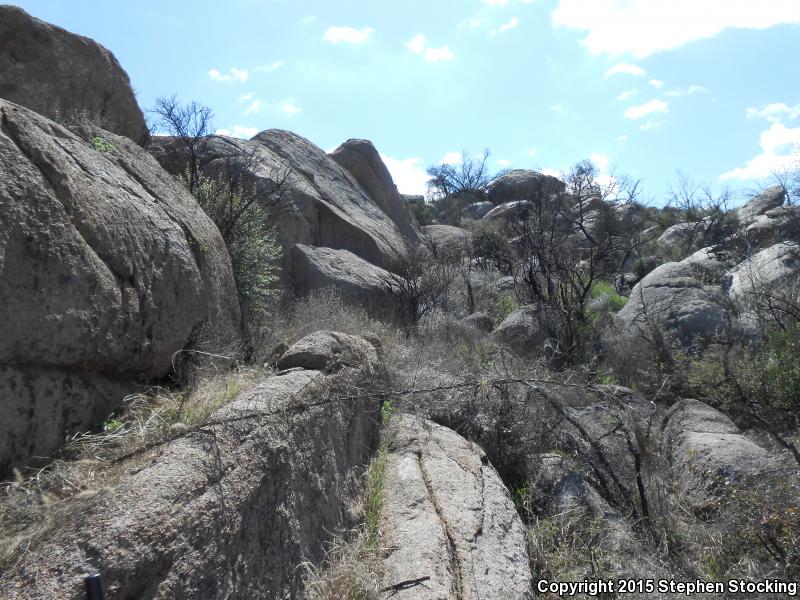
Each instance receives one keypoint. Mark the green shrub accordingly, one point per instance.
(243, 220)
(504, 306)
(603, 289)
(101, 145)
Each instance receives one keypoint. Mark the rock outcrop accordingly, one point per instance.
(108, 269)
(356, 280)
(227, 510)
(447, 519)
(477, 210)
(362, 161)
(317, 202)
(708, 452)
(523, 331)
(66, 77)
(448, 237)
(688, 299)
(523, 184)
(516, 209)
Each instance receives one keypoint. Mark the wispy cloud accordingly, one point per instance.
(503, 162)
(656, 83)
(688, 91)
(643, 27)
(559, 109)
(510, 24)
(648, 108)
(626, 94)
(269, 68)
(238, 131)
(347, 35)
(289, 107)
(419, 45)
(308, 20)
(626, 69)
(254, 107)
(234, 75)
(775, 112)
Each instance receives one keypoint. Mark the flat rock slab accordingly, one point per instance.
(448, 517)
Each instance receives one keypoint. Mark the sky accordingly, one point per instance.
(648, 88)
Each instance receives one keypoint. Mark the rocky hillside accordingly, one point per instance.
(551, 383)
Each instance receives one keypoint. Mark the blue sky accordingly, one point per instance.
(708, 87)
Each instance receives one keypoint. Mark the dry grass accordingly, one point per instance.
(351, 571)
(90, 463)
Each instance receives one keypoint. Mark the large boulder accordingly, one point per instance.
(708, 452)
(229, 509)
(364, 163)
(686, 299)
(760, 204)
(108, 270)
(448, 237)
(66, 77)
(523, 331)
(356, 280)
(516, 209)
(774, 270)
(523, 184)
(328, 351)
(317, 202)
(477, 210)
(447, 521)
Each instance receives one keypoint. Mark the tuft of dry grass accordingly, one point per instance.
(33, 503)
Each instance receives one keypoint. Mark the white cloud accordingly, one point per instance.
(625, 68)
(503, 162)
(510, 24)
(651, 125)
(648, 108)
(409, 174)
(231, 76)
(289, 107)
(238, 131)
(623, 138)
(532, 152)
(348, 35)
(273, 66)
(551, 172)
(780, 149)
(626, 94)
(495, 2)
(775, 112)
(307, 20)
(600, 161)
(246, 97)
(437, 54)
(643, 27)
(689, 91)
(451, 158)
(656, 83)
(254, 107)
(418, 45)
(559, 109)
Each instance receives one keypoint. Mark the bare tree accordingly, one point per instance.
(189, 124)
(420, 279)
(568, 242)
(704, 212)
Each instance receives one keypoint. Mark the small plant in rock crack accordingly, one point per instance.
(101, 145)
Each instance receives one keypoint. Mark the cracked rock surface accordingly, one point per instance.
(448, 516)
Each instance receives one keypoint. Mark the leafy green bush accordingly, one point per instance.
(244, 222)
(603, 289)
(424, 213)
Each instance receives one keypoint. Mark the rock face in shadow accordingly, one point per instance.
(524, 184)
(319, 202)
(361, 159)
(227, 510)
(108, 269)
(447, 516)
(66, 77)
